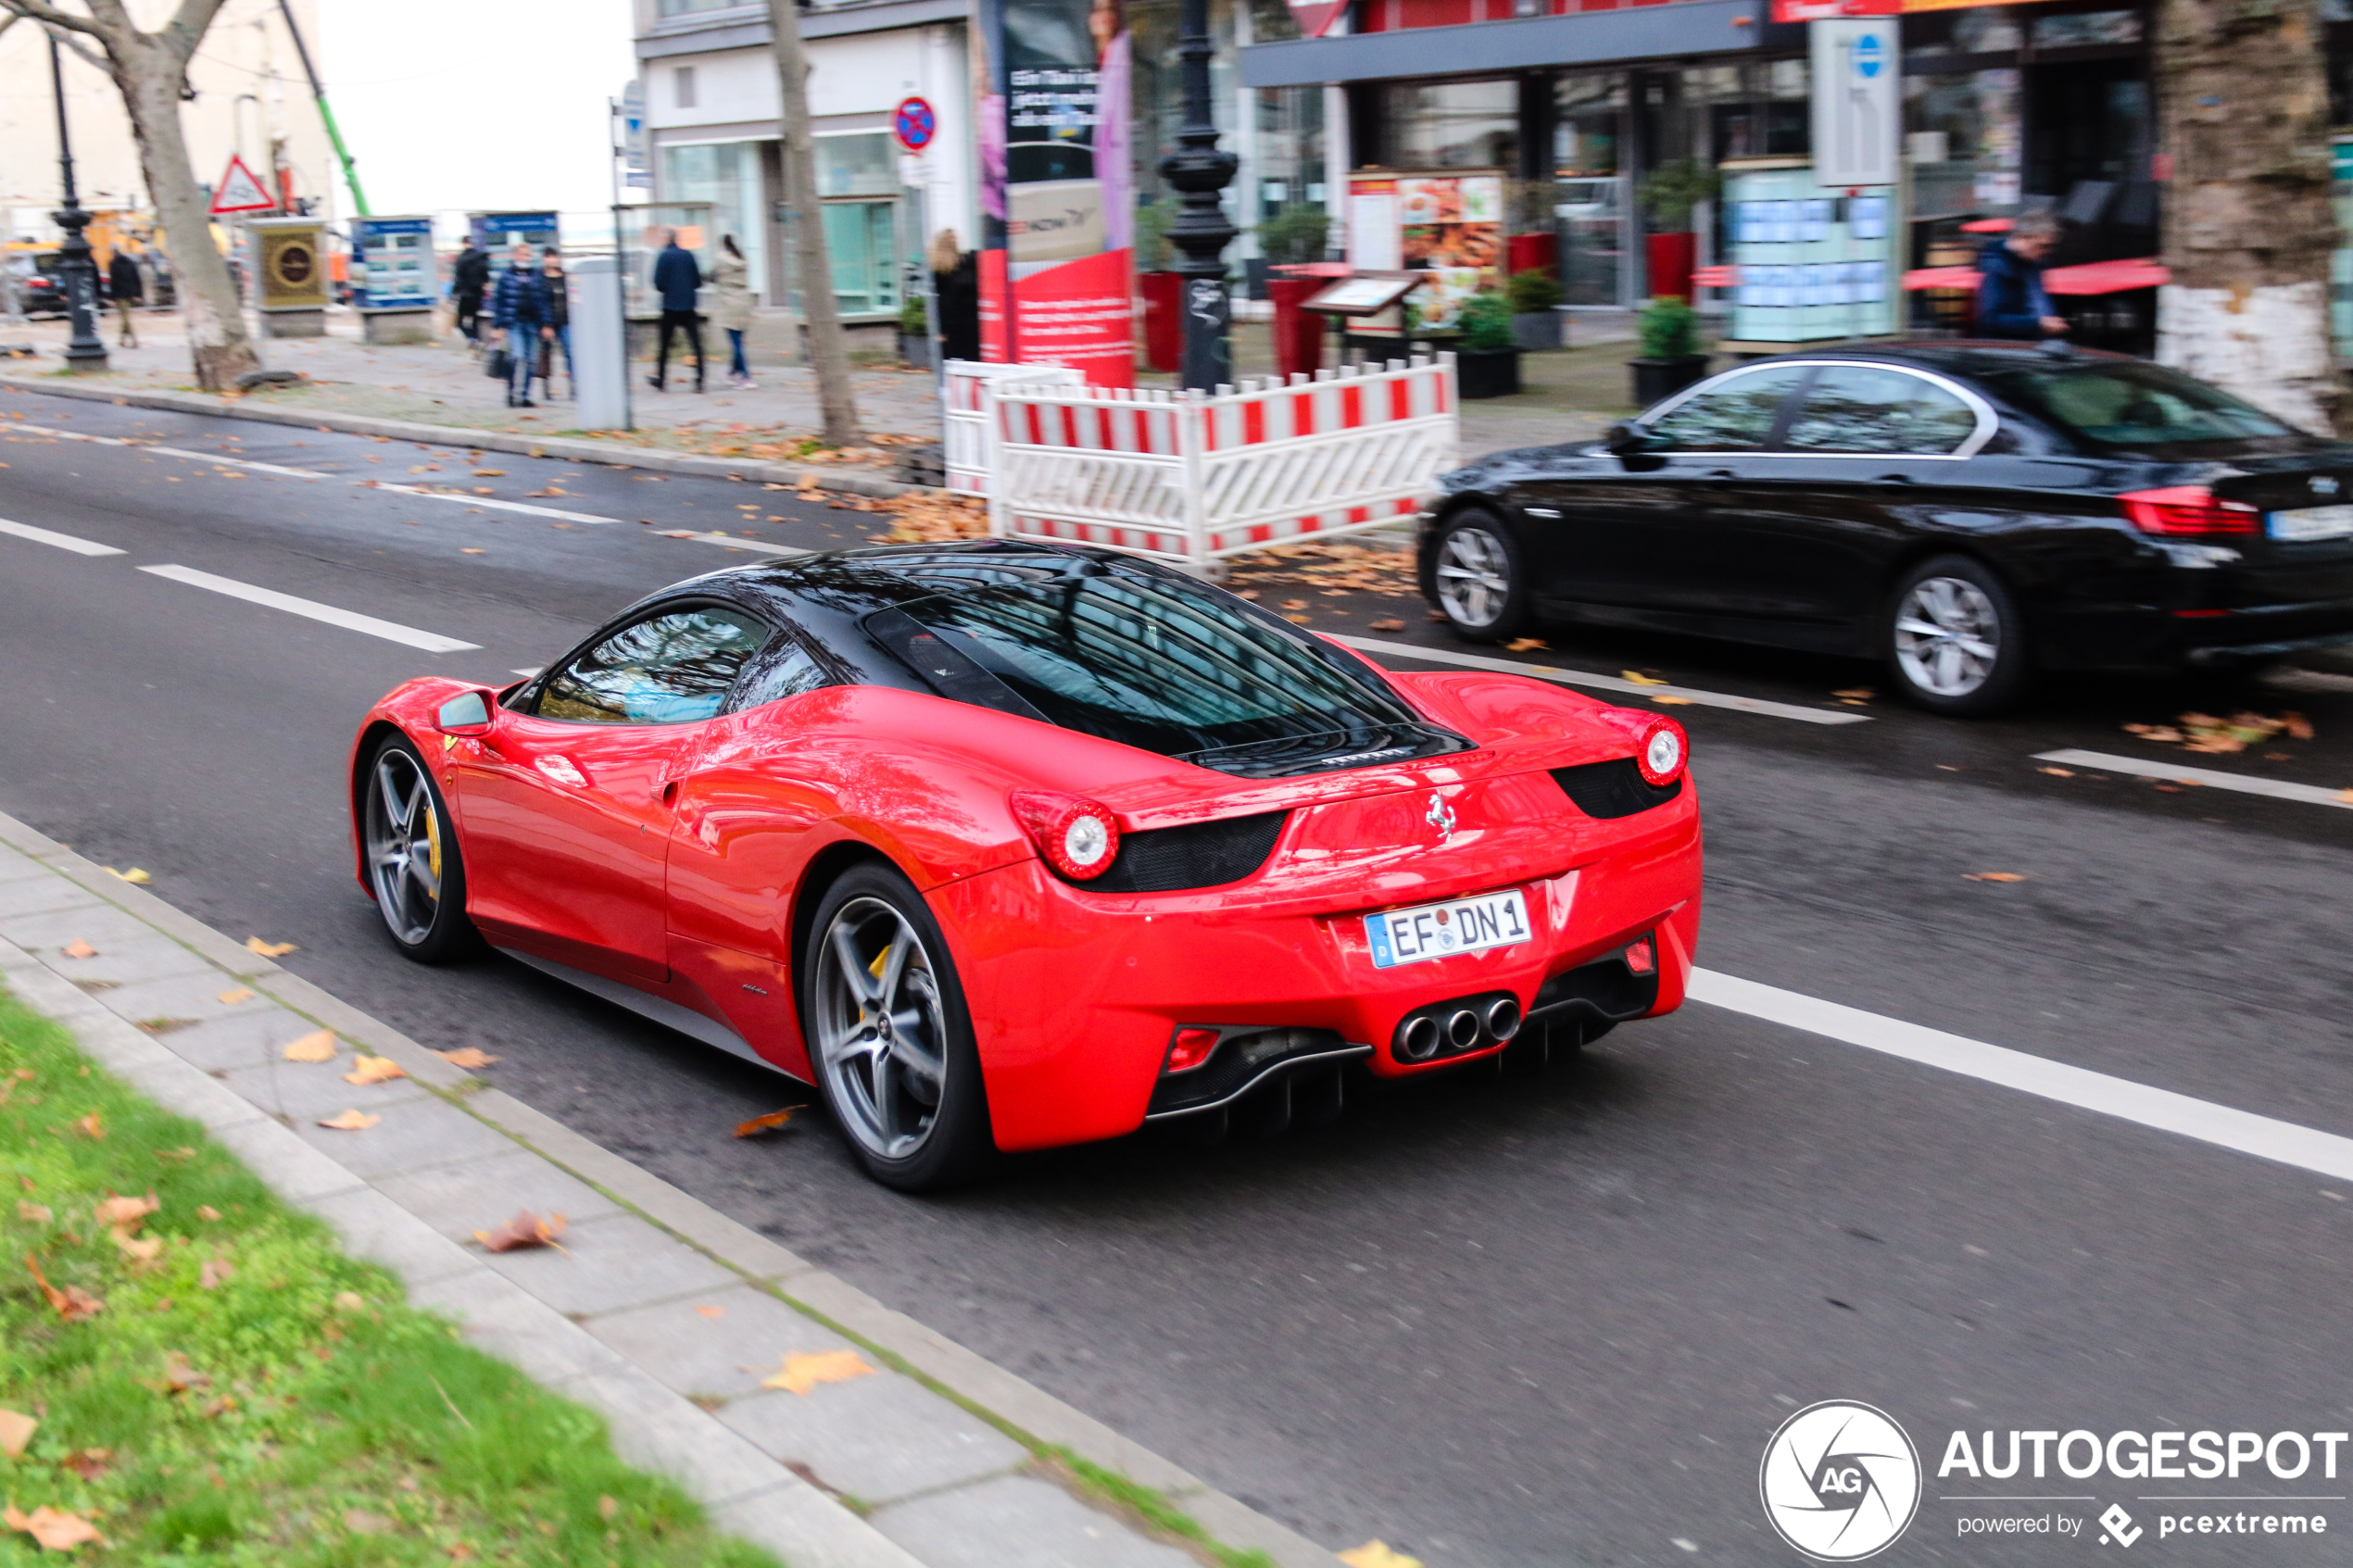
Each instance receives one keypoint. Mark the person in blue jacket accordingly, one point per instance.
(676, 280)
(2011, 301)
(523, 308)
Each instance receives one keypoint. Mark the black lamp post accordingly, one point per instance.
(77, 274)
(1199, 170)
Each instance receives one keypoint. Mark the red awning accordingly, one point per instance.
(1941, 278)
(2107, 277)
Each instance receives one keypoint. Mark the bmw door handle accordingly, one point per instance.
(1543, 511)
(1894, 478)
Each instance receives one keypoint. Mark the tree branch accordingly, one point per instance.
(41, 11)
(186, 30)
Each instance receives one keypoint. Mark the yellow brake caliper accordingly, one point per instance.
(432, 841)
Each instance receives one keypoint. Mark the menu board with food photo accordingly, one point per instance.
(1449, 225)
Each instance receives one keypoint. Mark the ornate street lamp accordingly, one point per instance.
(77, 274)
(1199, 170)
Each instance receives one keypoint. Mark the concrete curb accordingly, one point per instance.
(563, 448)
(940, 1486)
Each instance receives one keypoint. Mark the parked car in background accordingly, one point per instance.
(1969, 513)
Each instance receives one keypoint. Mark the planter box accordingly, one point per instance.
(1487, 372)
(1655, 380)
(918, 350)
(1535, 330)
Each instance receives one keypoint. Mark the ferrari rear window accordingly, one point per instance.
(1157, 661)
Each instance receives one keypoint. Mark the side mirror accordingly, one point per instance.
(1626, 437)
(465, 714)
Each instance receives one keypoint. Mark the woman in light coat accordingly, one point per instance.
(731, 286)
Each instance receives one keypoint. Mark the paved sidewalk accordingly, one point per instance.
(901, 1448)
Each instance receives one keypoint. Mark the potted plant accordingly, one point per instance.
(915, 345)
(1671, 359)
(1532, 295)
(1669, 194)
(1487, 355)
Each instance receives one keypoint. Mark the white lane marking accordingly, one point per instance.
(1609, 683)
(67, 435)
(351, 621)
(733, 543)
(482, 501)
(2262, 1137)
(527, 674)
(238, 462)
(2278, 789)
(63, 541)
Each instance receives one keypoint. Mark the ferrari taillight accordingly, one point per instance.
(1079, 838)
(2186, 510)
(1660, 755)
(1191, 1047)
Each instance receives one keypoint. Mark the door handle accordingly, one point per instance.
(1722, 473)
(1894, 478)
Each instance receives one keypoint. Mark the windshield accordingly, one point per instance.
(2133, 404)
(1157, 661)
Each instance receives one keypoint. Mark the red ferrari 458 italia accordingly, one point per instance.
(1005, 846)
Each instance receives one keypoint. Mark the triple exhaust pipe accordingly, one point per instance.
(1467, 1023)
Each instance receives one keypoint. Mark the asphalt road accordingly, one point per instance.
(1546, 1322)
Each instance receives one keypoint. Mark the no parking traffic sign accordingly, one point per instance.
(914, 123)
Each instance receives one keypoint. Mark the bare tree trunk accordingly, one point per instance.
(828, 350)
(149, 70)
(2244, 102)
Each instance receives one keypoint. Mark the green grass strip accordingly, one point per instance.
(294, 1411)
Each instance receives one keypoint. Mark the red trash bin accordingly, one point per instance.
(1299, 334)
(1163, 328)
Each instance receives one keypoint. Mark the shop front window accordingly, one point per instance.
(859, 163)
(725, 174)
(1589, 189)
(1451, 125)
(859, 242)
(1290, 152)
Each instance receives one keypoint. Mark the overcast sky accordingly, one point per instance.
(455, 106)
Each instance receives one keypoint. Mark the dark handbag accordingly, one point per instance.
(501, 366)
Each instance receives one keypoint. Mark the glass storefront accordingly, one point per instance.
(725, 174)
(1448, 125)
(1591, 221)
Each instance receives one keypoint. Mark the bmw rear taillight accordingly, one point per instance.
(1079, 838)
(2187, 509)
(1659, 755)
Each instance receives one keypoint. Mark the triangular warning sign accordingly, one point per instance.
(240, 191)
(1315, 17)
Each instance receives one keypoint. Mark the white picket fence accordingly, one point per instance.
(1193, 477)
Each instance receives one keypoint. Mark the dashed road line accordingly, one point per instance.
(480, 501)
(733, 542)
(1676, 695)
(253, 463)
(2263, 1136)
(62, 541)
(2210, 778)
(351, 621)
(12, 426)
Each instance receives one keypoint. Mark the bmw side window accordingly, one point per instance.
(665, 670)
(1864, 408)
(1734, 415)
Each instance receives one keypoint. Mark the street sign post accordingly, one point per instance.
(914, 124)
(240, 191)
(1858, 102)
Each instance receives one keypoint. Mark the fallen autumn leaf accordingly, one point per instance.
(1995, 876)
(713, 1311)
(373, 1070)
(316, 1046)
(231, 998)
(350, 1121)
(33, 1213)
(1392, 624)
(133, 876)
(268, 949)
(77, 948)
(525, 1231)
(802, 1370)
(1377, 1554)
(16, 1431)
(1638, 677)
(55, 1529)
(467, 1056)
(758, 1124)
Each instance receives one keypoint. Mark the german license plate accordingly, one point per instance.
(2312, 522)
(1441, 930)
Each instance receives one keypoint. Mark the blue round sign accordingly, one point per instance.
(914, 123)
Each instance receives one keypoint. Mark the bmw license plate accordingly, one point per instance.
(1441, 930)
(2312, 522)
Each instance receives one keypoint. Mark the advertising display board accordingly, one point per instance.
(290, 254)
(1815, 262)
(392, 263)
(1447, 226)
(1058, 186)
(497, 232)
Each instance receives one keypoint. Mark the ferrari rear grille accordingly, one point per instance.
(1199, 855)
(1614, 788)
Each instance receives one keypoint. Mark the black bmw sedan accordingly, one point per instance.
(1968, 513)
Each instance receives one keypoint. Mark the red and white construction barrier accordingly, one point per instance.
(965, 412)
(1192, 477)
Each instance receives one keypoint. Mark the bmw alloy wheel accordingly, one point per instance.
(1948, 636)
(881, 1031)
(1474, 578)
(404, 841)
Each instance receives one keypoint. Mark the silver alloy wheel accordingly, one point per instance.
(1473, 577)
(1948, 636)
(880, 1030)
(404, 847)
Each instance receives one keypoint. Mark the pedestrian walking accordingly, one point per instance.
(468, 278)
(2011, 301)
(128, 290)
(731, 281)
(676, 280)
(520, 308)
(551, 268)
(955, 284)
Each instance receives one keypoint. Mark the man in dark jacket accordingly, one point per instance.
(2011, 301)
(676, 279)
(468, 278)
(524, 309)
(125, 287)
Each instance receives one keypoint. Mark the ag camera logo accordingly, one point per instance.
(1841, 1481)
